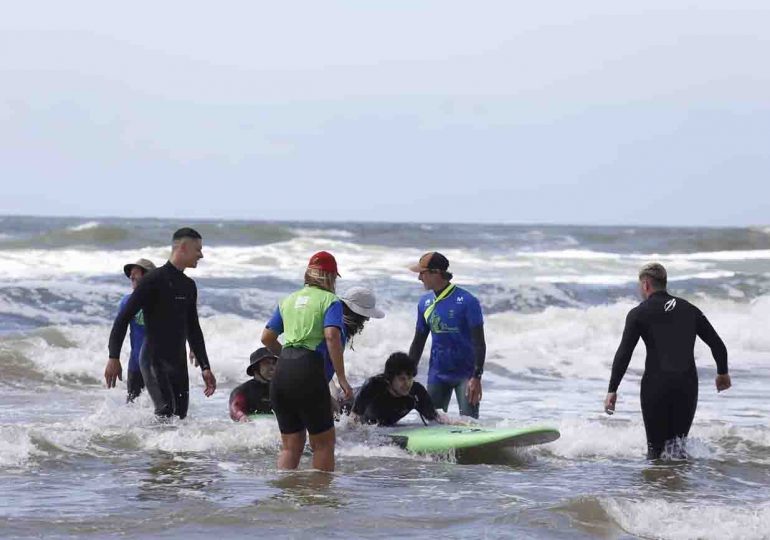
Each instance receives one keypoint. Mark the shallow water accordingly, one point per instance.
(75, 461)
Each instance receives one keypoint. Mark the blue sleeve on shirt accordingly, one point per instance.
(333, 315)
(276, 322)
(473, 313)
(422, 326)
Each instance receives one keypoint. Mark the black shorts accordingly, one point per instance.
(300, 394)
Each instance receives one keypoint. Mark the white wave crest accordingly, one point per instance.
(675, 520)
(84, 226)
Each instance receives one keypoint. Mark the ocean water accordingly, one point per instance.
(76, 461)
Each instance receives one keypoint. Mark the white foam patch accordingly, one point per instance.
(323, 233)
(215, 437)
(678, 520)
(594, 439)
(16, 447)
(84, 226)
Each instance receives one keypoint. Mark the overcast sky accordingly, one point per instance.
(653, 112)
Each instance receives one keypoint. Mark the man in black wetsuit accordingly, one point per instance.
(668, 325)
(253, 396)
(386, 398)
(169, 301)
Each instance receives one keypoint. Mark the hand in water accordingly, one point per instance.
(211, 382)
(609, 402)
(473, 391)
(112, 372)
(347, 391)
(723, 382)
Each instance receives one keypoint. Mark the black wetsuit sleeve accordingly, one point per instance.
(628, 342)
(418, 345)
(718, 350)
(364, 397)
(424, 403)
(479, 349)
(194, 333)
(135, 302)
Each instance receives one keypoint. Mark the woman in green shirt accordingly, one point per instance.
(311, 321)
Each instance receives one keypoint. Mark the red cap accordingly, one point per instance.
(323, 260)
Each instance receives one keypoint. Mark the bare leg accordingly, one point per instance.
(291, 449)
(323, 450)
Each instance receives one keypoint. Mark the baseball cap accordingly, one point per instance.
(433, 260)
(323, 260)
(256, 357)
(144, 264)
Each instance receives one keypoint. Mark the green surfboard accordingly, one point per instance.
(444, 438)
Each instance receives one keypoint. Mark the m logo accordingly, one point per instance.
(670, 305)
(460, 299)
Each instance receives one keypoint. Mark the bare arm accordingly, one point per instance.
(270, 340)
(334, 346)
(418, 345)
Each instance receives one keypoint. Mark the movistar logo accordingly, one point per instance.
(670, 305)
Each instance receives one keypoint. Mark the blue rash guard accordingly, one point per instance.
(452, 356)
(136, 335)
(332, 317)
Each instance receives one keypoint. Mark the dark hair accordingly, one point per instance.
(354, 322)
(186, 232)
(398, 363)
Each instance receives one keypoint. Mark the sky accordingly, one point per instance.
(591, 112)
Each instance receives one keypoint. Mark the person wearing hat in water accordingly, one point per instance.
(309, 319)
(358, 306)
(386, 398)
(452, 316)
(253, 396)
(134, 382)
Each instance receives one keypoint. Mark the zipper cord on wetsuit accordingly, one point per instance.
(446, 292)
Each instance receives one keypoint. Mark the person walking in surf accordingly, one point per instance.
(169, 301)
(668, 325)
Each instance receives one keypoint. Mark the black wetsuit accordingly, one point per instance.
(251, 397)
(376, 405)
(668, 326)
(169, 300)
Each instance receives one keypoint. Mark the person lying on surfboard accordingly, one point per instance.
(253, 396)
(386, 398)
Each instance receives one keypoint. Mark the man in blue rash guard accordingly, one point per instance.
(134, 382)
(452, 316)
(668, 325)
(169, 301)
